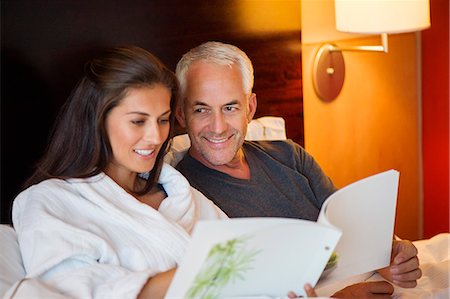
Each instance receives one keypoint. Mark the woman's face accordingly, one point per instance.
(136, 129)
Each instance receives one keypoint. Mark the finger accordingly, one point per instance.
(405, 267)
(309, 290)
(380, 287)
(406, 284)
(409, 276)
(407, 280)
(403, 251)
(292, 295)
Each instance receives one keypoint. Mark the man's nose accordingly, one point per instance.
(218, 123)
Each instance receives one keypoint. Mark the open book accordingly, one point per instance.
(251, 257)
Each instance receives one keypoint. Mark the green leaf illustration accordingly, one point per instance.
(226, 262)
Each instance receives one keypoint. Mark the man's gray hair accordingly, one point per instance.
(219, 53)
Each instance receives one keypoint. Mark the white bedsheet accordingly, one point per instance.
(435, 264)
(434, 257)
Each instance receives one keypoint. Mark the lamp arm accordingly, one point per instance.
(375, 48)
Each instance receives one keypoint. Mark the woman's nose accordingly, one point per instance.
(153, 134)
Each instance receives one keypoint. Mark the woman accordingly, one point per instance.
(88, 224)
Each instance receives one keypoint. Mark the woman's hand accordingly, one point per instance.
(309, 290)
(157, 286)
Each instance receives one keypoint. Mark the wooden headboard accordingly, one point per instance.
(44, 48)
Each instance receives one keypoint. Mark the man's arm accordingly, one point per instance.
(366, 290)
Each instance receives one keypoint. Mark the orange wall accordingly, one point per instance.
(374, 124)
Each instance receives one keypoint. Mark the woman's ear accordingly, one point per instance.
(179, 114)
(252, 104)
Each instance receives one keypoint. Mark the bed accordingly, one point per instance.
(434, 253)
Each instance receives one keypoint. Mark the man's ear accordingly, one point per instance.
(179, 114)
(252, 104)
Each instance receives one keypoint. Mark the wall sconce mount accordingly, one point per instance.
(364, 16)
(329, 67)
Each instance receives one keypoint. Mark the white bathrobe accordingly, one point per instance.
(89, 238)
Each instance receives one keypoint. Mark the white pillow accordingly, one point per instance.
(10, 259)
(266, 128)
(263, 128)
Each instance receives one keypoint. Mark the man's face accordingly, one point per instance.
(216, 112)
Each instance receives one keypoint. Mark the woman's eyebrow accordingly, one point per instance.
(138, 112)
(146, 114)
(167, 112)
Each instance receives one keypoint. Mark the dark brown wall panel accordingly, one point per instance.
(45, 43)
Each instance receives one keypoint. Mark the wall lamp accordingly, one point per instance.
(367, 17)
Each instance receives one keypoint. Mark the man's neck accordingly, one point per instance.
(237, 168)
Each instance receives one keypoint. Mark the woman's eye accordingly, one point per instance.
(164, 121)
(137, 122)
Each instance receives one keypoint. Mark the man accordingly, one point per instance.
(276, 178)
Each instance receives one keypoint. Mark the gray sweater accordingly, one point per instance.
(285, 182)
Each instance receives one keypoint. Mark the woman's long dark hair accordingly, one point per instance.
(79, 146)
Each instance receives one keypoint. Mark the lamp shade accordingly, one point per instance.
(382, 16)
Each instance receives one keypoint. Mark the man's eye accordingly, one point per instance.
(230, 108)
(200, 110)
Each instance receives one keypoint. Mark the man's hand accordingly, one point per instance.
(404, 268)
(366, 290)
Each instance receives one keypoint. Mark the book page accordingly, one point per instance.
(365, 212)
(253, 257)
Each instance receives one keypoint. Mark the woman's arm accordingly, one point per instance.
(157, 286)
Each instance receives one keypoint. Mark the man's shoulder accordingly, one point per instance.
(189, 166)
(284, 151)
(181, 165)
(273, 146)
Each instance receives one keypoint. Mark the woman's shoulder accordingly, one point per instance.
(56, 184)
(45, 186)
(53, 188)
(51, 196)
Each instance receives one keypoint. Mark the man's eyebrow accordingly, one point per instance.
(200, 103)
(233, 102)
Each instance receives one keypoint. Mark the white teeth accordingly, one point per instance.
(143, 152)
(217, 140)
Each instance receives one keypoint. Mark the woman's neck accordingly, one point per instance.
(124, 178)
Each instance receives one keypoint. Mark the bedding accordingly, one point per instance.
(11, 267)
(434, 258)
(434, 254)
